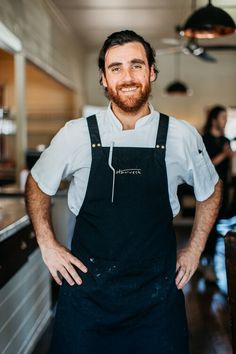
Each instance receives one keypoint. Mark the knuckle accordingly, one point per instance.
(67, 277)
(74, 274)
(64, 273)
(68, 266)
(73, 258)
(80, 263)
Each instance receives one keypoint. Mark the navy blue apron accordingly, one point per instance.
(128, 302)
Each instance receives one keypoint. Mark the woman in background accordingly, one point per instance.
(218, 148)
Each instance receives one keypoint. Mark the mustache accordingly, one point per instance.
(131, 84)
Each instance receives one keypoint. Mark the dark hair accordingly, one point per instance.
(120, 38)
(212, 115)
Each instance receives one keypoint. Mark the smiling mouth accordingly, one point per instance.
(129, 89)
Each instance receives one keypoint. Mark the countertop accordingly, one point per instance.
(12, 216)
(13, 190)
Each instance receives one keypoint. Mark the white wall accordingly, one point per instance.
(212, 83)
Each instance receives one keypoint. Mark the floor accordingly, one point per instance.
(208, 318)
(207, 313)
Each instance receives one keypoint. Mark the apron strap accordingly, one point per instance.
(160, 139)
(162, 133)
(94, 131)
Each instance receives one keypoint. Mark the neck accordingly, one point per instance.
(129, 119)
(216, 132)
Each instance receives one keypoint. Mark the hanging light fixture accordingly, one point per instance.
(208, 22)
(177, 87)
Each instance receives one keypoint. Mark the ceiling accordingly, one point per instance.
(93, 20)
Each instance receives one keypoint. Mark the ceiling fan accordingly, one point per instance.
(206, 22)
(193, 47)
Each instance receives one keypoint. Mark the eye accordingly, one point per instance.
(115, 69)
(137, 66)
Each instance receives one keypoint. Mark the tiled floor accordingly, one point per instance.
(207, 313)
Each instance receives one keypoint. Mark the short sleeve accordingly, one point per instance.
(53, 164)
(201, 174)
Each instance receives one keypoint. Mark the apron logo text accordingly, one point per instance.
(129, 171)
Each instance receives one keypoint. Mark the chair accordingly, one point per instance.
(230, 258)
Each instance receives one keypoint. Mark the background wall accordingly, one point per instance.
(212, 83)
(47, 40)
(54, 83)
(49, 104)
(7, 78)
(49, 43)
(7, 149)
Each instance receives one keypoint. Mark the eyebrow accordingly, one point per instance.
(133, 61)
(114, 64)
(138, 61)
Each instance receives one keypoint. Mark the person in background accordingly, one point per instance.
(218, 148)
(121, 283)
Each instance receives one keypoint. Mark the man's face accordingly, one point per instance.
(221, 121)
(128, 76)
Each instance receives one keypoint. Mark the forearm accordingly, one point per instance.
(38, 205)
(58, 259)
(188, 257)
(218, 158)
(205, 216)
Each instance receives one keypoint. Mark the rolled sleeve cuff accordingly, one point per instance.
(205, 193)
(44, 188)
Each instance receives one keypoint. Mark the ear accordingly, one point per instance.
(153, 75)
(104, 80)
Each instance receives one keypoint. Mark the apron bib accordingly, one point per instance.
(128, 302)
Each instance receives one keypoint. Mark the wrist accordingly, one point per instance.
(195, 248)
(47, 241)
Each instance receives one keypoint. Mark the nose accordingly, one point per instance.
(127, 75)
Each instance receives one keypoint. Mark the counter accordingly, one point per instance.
(12, 216)
(25, 283)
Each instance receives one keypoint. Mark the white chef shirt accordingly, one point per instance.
(69, 156)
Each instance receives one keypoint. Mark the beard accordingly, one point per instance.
(132, 103)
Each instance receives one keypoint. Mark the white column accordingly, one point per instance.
(21, 122)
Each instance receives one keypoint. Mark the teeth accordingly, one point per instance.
(127, 89)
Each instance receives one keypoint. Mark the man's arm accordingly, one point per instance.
(205, 216)
(57, 258)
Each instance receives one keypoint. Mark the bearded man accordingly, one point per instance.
(121, 282)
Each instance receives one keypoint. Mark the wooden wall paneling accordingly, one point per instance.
(49, 105)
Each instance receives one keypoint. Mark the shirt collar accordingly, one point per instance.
(140, 122)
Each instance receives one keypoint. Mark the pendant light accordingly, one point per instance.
(208, 22)
(177, 87)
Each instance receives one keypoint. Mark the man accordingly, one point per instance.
(125, 165)
(220, 152)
